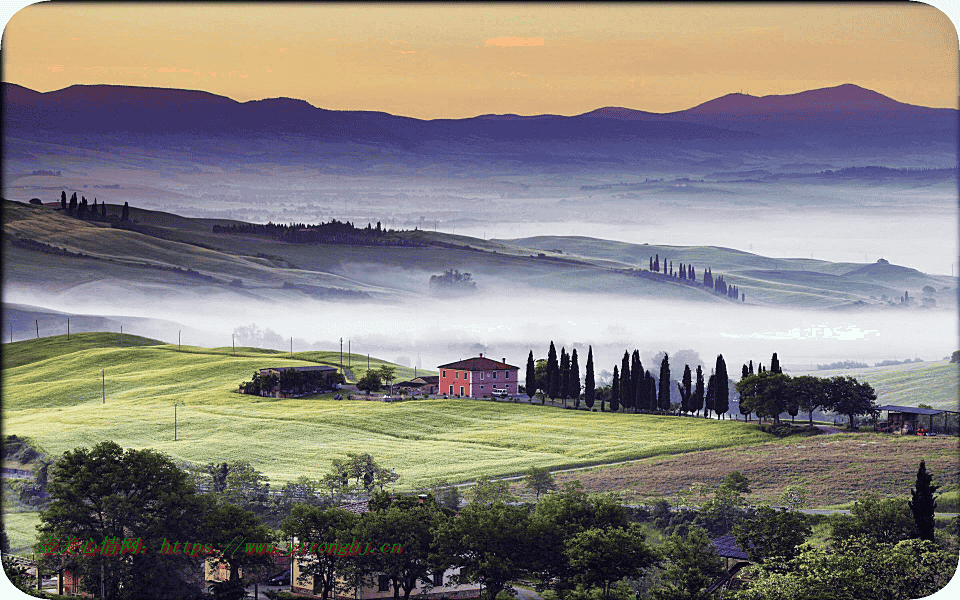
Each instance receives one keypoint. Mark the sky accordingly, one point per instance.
(461, 60)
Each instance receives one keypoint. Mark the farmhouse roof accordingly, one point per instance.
(727, 547)
(429, 379)
(911, 410)
(478, 364)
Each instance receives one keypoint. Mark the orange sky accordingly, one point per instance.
(452, 61)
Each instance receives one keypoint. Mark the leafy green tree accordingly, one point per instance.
(696, 401)
(772, 533)
(847, 396)
(226, 523)
(722, 512)
(540, 480)
(589, 384)
(615, 390)
(553, 373)
(736, 481)
(386, 373)
(810, 393)
(721, 401)
(540, 369)
(137, 498)
(691, 565)
(413, 527)
(488, 491)
(924, 504)
(664, 395)
(765, 393)
(574, 385)
(370, 382)
(489, 542)
(446, 494)
(600, 557)
(317, 527)
(531, 381)
(884, 521)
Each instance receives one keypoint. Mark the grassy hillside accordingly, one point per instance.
(175, 254)
(56, 401)
(30, 351)
(932, 382)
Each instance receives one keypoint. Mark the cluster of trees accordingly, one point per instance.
(557, 377)
(82, 210)
(453, 280)
(333, 232)
(632, 386)
(688, 274)
(289, 381)
(374, 379)
(768, 393)
(575, 545)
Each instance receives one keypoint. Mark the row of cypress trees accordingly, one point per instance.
(83, 210)
(688, 273)
(632, 386)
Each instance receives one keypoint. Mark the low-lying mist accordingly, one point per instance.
(428, 332)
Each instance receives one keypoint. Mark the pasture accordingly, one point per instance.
(56, 401)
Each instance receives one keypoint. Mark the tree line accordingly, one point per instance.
(687, 274)
(333, 232)
(576, 545)
(81, 209)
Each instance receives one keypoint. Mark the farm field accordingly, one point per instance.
(835, 469)
(931, 382)
(56, 401)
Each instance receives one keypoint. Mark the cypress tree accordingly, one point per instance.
(924, 504)
(651, 263)
(636, 380)
(72, 207)
(721, 402)
(626, 393)
(574, 385)
(751, 367)
(685, 389)
(656, 263)
(63, 200)
(589, 385)
(615, 390)
(564, 375)
(651, 390)
(711, 394)
(531, 383)
(696, 401)
(125, 212)
(664, 397)
(744, 372)
(693, 274)
(775, 364)
(553, 373)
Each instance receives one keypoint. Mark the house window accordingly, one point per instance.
(438, 578)
(383, 583)
(444, 373)
(451, 390)
(456, 374)
(494, 374)
(481, 387)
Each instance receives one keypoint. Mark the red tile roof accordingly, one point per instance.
(478, 363)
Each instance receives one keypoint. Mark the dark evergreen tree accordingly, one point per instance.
(574, 385)
(564, 375)
(553, 373)
(589, 385)
(615, 390)
(531, 383)
(636, 381)
(744, 372)
(693, 274)
(696, 400)
(775, 364)
(72, 207)
(711, 394)
(656, 263)
(750, 370)
(82, 208)
(651, 263)
(125, 212)
(924, 503)
(651, 390)
(626, 392)
(671, 268)
(721, 402)
(686, 389)
(103, 210)
(664, 396)
(63, 200)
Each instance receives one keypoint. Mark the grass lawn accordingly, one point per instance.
(21, 530)
(56, 401)
(931, 382)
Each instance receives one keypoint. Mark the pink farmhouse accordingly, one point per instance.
(478, 377)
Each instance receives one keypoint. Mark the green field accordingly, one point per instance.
(56, 401)
(21, 530)
(933, 383)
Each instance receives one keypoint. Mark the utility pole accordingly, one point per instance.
(103, 386)
(178, 340)
(341, 355)
(121, 336)
(233, 340)
(68, 328)
(368, 361)
(37, 322)
(291, 346)
(348, 348)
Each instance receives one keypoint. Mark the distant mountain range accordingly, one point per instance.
(846, 121)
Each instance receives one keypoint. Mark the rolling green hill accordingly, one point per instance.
(55, 399)
(44, 250)
(933, 383)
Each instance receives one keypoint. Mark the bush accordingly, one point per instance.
(782, 430)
